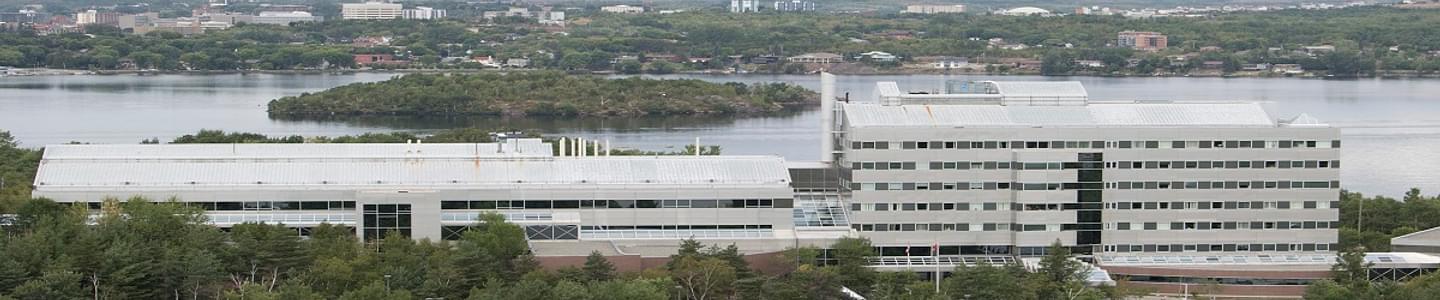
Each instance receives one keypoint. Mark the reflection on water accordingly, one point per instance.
(1392, 126)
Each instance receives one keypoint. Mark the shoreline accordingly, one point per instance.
(1399, 74)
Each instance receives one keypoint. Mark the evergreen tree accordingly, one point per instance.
(597, 268)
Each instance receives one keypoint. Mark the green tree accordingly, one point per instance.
(597, 268)
(703, 278)
(986, 281)
(852, 261)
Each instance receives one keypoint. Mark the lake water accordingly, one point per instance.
(1391, 127)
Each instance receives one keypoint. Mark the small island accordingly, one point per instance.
(544, 93)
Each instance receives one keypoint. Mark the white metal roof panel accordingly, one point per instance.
(1092, 115)
(430, 171)
(1065, 89)
(513, 148)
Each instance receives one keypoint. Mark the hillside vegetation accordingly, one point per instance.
(544, 93)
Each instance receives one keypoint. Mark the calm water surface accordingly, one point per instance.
(1391, 127)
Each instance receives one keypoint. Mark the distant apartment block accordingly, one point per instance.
(622, 9)
(1142, 40)
(285, 18)
(740, 6)
(817, 58)
(934, 9)
(423, 13)
(371, 11)
(97, 17)
(794, 5)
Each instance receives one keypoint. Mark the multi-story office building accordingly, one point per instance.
(285, 17)
(1010, 167)
(934, 9)
(370, 11)
(1142, 40)
(424, 13)
(622, 9)
(794, 5)
(741, 6)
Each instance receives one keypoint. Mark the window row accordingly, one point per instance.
(946, 186)
(973, 165)
(577, 204)
(1222, 205)
(963, 206)
(1226, 164)
(1230, 225)
(1216, 185)
(261, 205)
(1193, 144)
(967, 227)
(1278, 247)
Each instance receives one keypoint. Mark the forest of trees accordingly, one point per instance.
(544, 93)
(1385, 218)
(1350, 279)
(1363, 37)
(140, 249)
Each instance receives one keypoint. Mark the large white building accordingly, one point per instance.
(640, 205)
(1163, 192)
(285, 17)
(423, 13)
(1008, 168)
(371, 11)
(622, 9)
(740, 6)
(934, 9)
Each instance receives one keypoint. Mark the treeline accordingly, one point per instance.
(1350, 279)
(544, 93)
(17, 171)
(1384, 218)
(138, 249)
(456, 135)
(1368, 38)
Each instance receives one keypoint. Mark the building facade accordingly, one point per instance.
(285, 18)
(622, 9)
(934, 9)
(371, 11)
(1010, 167)
(423, 13)
(437, 191)
(742, 6)
(1142, 40)
(794, 5)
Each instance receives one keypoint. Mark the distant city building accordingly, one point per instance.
(137, 20)
(1026, 11)
(740, 6)
(371, 11)
(285, 18)
(879, 56)
(423, 13)
(1142, 40)
(622, 9)
(85, 17)
(510, 12)
(23, 16)
(817, 58)
(794, 5)
(934, 9)
(944, 62)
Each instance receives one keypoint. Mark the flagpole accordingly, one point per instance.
(935, 252)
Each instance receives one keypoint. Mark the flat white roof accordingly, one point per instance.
(1094, 114)
(513, 148)
(107, 167)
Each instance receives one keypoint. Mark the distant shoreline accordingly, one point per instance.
(1401, 74)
